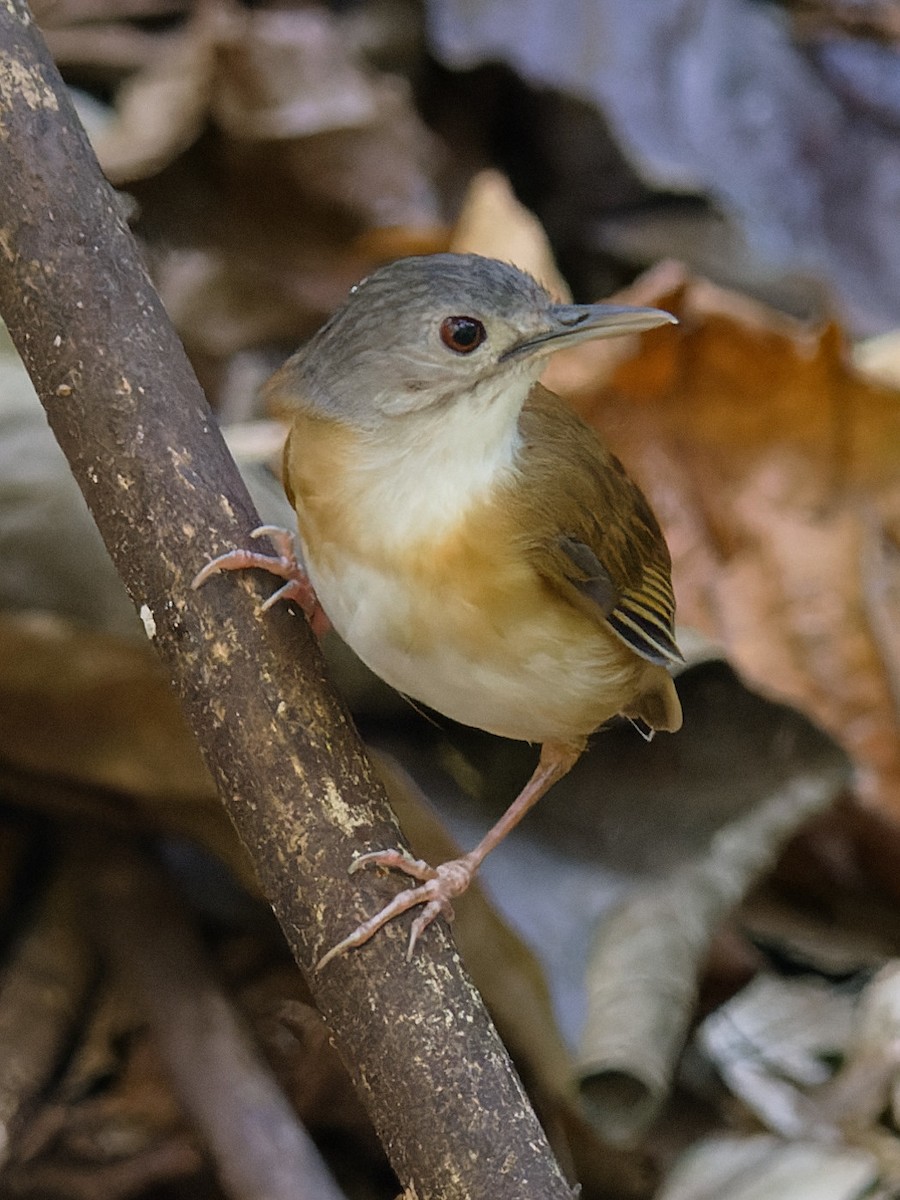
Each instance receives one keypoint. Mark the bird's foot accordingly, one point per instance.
(284, 564)
(439, 886)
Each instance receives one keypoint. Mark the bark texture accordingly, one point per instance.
(128, 412)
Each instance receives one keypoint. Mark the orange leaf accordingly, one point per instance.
(775, 468)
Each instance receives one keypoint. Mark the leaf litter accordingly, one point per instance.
(737, 928)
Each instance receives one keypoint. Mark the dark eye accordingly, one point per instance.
(462, 334)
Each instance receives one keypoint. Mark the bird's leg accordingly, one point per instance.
(284, 564)
(441, 884)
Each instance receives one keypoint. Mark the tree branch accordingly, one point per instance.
(130, 416)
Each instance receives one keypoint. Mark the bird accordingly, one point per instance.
(466, 533)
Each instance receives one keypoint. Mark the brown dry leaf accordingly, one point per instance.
(775, 469)
(492, 216)
(388, 242)
(863, 18)
(339, 145)
(91, 728)
(93, 708)
(288, 91)
(161, 110)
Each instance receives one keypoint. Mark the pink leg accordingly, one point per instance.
(440, 885)
(284, 564)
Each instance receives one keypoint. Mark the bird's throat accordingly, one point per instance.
(427, 470)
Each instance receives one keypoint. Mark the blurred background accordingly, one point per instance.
(690, 947)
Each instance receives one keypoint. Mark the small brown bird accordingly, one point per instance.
(465, 532)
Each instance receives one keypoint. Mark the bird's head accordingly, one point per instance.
(424, 331)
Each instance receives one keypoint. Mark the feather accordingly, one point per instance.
(591, 534)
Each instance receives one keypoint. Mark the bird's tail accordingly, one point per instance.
(656, 706)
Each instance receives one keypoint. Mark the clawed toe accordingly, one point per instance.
(432, 910)
(441, 884)
(294, 589)
(394, 860)
(283, 541)
(284, 564)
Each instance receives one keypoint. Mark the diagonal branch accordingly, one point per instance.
(130, 416)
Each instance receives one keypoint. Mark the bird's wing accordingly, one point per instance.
(591, 534)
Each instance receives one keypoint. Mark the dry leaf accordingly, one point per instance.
(775, 1043)
(286, 73)
(772, 1044)
(647, 957)
(492, 216)
(872, 1069)
(94, 718)
(256, 235)
(333, 131)
(762, 1168)
(879, 357)
(775, 469)
(95, 709)
(161, 110)
(862, 17)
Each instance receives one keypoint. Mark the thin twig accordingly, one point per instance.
(260, 1149)
(42, 990)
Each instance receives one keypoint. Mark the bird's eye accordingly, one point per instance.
(462, 334)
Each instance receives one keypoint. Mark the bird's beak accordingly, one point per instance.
(571, 323)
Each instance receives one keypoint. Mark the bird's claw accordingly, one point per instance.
(284, 564)
(439, 887)
(283, 541)
(395, 860)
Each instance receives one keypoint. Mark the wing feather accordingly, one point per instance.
(599, 543)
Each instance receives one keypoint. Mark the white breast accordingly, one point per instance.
(419, 475)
